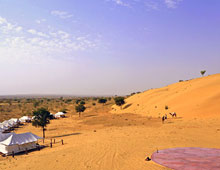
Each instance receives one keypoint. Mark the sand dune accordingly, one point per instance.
(194, 98)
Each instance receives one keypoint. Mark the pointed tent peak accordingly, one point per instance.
(4, 136)
(8, 140)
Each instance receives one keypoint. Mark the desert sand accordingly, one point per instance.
(105, 139)
(196, 98)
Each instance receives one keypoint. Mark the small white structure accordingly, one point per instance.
(59, 114)
(12, 122)
(25, 119)
(8, 124)
(18, 142)
(15, 121)
(52, 116)
(3, 128)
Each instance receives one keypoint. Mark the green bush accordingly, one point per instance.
(119, 101)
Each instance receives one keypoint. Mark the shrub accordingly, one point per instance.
(80, 108)
(203, 72)
(102, 100)
(82, 102)
(119, 101)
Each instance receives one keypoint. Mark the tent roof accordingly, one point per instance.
(25, 117)
(19, 139)
(2, 126)
(4, 136)
(59, 113)
(7, 123)
(13, 120)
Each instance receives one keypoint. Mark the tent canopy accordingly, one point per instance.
(8, 124)
(15, 120)
(19, 139)
(3, 126)
(24, 119)
(58, 114)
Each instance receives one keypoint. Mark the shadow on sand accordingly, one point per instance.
(71, 134)
(29, 151)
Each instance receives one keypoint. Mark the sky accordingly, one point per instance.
(105, 47)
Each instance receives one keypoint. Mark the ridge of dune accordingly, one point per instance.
(194, 98)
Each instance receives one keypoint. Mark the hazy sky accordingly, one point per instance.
(104, 47)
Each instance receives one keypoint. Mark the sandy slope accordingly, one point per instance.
(194, 98)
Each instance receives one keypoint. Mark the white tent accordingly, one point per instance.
(8, 124)
(25, 119)
(18, 143)
(59, 114)
(15, 121)
(11, 123)
(3, 128)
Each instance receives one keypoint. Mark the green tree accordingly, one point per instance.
(78, 101)
(203, 72)
(102, 100)
(119, 101)
(82, 102)
(132, 94)
(41, 119)
(80, 108)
